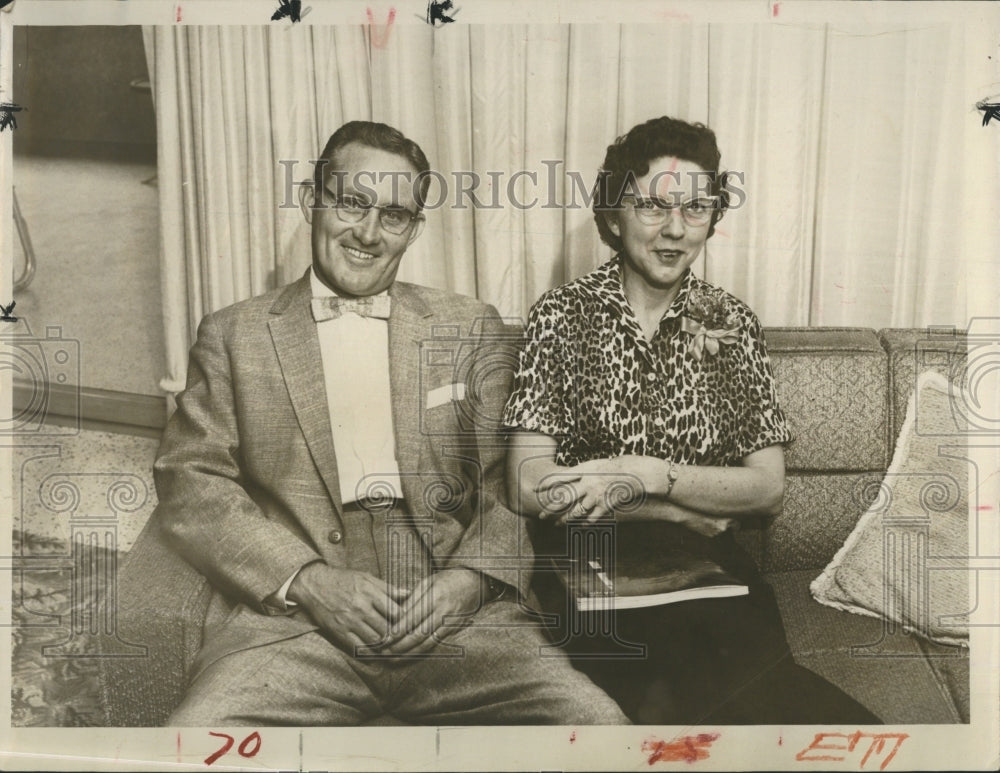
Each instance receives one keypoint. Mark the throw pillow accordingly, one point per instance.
(886, 568)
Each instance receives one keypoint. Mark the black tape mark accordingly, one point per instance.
(437, 12)
(291, 9)
(990, 110)
(7, 120)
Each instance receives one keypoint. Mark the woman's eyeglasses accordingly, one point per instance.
(656, 211)
(352, 209)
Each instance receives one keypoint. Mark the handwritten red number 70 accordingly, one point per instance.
(243, 750)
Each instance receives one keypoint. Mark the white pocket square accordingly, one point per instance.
(445, 394)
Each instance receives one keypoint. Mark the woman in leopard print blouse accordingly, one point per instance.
(640, 376)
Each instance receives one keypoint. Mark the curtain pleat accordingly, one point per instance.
(260, 186)
(885, 237)
(402, 89)
(592, 86)
(545, 130)
(452, 106)
(296, 87)
(764, 82)
(853, 151)
(498, 145)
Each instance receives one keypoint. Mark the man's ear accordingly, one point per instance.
(418, 226)
(307, 198)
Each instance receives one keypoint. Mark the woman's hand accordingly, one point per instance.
(572, 496)
(592, 490)
(600, 488)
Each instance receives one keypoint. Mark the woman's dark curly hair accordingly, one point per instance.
(629, 157)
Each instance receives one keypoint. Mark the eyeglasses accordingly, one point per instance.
(656, 211)
(352, 209)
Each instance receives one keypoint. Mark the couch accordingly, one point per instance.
(845, 392)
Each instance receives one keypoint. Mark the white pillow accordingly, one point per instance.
(920, 511)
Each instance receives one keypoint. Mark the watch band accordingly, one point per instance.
(672, 473)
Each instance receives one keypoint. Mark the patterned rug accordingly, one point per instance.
(54, 674)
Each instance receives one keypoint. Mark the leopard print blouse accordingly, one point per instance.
(589, 378)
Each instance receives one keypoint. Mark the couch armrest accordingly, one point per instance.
(161, 605)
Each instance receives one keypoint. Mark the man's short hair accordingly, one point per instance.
(381, 137)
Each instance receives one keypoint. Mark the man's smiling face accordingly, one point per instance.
(359, 259)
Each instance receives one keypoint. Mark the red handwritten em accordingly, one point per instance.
(382, 38)
(242, 750)
(876, 747)
(690, 748)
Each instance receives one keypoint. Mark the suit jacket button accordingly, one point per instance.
(335, 537)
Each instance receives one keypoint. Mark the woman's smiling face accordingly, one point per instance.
(658, 255)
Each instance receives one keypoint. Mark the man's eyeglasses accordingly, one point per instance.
(352, 209)
(656, 211)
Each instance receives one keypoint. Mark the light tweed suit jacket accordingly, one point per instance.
(247, 476)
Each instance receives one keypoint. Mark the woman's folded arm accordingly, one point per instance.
(707, 499)
(756, 488)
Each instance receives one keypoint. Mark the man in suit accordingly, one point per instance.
(334, 470)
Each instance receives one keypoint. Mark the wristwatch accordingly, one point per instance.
(672, 474)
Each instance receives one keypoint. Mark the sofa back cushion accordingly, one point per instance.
(833, 386)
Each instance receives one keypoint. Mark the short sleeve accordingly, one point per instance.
(762, 422)
(540, 401)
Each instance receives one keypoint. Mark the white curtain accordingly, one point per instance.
(232, 104)
(853, 145)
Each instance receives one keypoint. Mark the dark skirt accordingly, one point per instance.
(713, 661)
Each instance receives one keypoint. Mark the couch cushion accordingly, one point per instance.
(881, 669)
(950, 671)
(819, 512)
(832, 385)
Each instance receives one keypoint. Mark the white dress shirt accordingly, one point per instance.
(355, 354)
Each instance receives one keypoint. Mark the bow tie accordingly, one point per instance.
(331, 307)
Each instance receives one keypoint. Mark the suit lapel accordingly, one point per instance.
(407, 327)
(296, 343)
